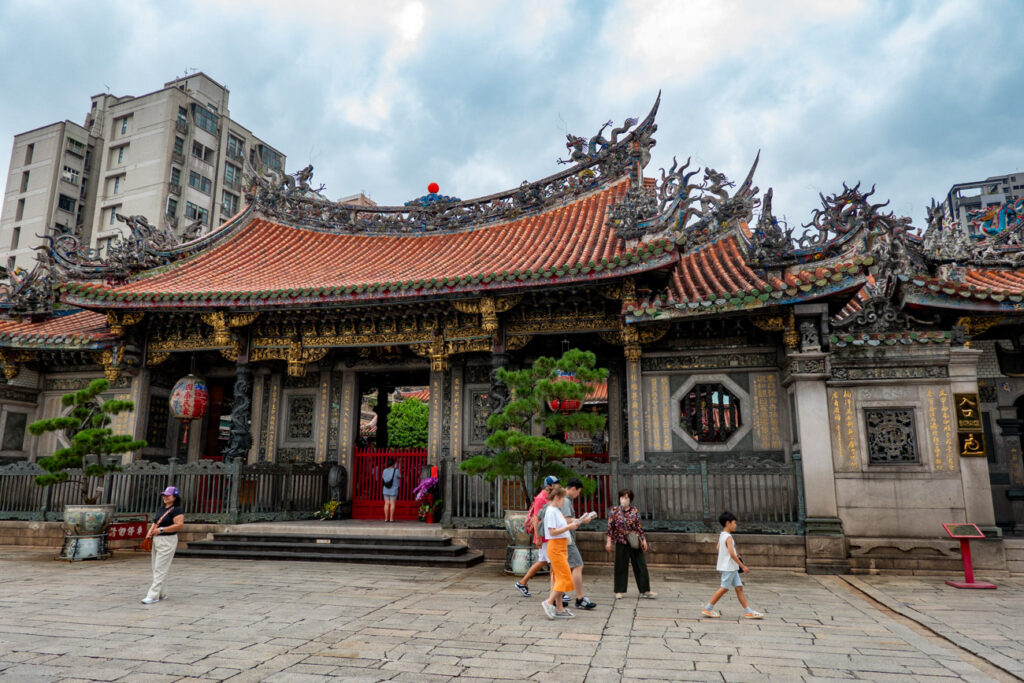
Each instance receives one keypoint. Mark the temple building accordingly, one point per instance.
(858, 351)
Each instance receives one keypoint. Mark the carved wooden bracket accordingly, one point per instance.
(112, 361)
(222, 323)
(488, 307)
(769, 323)
(974, 326)
(791, 338)
(11, 361)
(118, 321)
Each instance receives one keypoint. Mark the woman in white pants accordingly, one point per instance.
(170, 519)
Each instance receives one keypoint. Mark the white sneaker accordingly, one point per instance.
(149, 601)
(753, 614)
(549, 609)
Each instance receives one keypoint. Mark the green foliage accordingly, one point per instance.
(87, 426)
(511, 442)
(408, 424)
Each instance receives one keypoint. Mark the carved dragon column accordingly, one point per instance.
(240, 440)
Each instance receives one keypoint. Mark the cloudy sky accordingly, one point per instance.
(387, 96)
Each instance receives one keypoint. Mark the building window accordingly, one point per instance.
(194, 212)
(112, 219)
(236, 147)
(15, 238)
(172, 206)
(179, 146)
(75, 147)
(205, 119)
(29, 151)
(200, 182)
(232, 175)
(710, 413)
(122, 123)
(120, 153)
(66, 203)
(117, 184)
(70, 175)
(892, 438)
(19, 213)
(201, 152)
(24, 181)
(182, 115)
(175, 175)
(14, 431)
(229, 204)
(271, 158)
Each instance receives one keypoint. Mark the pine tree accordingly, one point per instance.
(91, 438)
(408, 424)
(511, 442)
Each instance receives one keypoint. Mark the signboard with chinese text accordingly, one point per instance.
(970, 437)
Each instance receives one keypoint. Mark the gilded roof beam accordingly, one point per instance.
(117, 321)
(11, 361)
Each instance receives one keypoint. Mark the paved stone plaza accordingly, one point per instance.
(284, 621)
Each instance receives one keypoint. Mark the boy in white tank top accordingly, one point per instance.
(730, 564)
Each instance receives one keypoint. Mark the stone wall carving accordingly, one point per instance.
(301, 411)
(78, 383)
(710, 362)
(891, 435)
(896, 372)
(479, 411)
(807, 366)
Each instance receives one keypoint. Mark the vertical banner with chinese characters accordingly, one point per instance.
(969, 432)
(767, 436)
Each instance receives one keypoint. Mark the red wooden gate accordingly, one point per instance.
(368, 483)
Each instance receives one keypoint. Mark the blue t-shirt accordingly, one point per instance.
(387, 474)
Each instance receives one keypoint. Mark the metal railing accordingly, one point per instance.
(211, 491)
(765, 494)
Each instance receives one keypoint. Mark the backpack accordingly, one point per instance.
(389, 482)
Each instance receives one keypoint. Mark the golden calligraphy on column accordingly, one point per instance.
(767, 435)
(850, 418)
(837, 426)
(947, 429)
(933, 430)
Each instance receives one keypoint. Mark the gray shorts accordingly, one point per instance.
(575, 559)
(390, 499)
(731, 579)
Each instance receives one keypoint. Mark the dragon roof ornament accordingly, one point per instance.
(994, 237)
(692, 213)
(291, 200)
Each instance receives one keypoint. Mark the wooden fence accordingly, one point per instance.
(766, 495)
(210, 491)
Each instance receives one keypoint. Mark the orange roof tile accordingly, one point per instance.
(269, 264)
(78, 329)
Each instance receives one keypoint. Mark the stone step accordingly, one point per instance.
(347, 527)
(334, 547)
(433, 541)
(463, 560)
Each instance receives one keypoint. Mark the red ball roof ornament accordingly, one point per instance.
(433, 188)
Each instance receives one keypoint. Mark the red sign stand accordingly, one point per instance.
(964, 532)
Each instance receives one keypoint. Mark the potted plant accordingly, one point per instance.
(551, 392)
(91, 443)
(424, 493)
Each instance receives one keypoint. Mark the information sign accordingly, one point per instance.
(964, 532)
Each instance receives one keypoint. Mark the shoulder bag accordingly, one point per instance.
(147, 542)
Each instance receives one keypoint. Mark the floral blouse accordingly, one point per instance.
(622, 521)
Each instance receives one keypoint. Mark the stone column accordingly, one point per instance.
(240, 440)
(438, 365)
(963, 379)
(615, 421)
(634, 403)
(348, 424)
(824, 539)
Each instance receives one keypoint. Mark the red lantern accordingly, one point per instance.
(189, 400)
(568, 405)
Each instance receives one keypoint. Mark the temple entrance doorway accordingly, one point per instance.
(404, 438)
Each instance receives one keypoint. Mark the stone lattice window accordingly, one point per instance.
(710, 413)
(300, 418)
(480, 411)
(159, 417)
(892, 438)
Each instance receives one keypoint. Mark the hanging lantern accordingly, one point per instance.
(567, 405)
(189, 400)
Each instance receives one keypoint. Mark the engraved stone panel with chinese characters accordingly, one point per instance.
(300, 418)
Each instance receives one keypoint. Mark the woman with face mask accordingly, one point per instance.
(627, 535)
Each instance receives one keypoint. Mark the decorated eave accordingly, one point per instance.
(71, 330)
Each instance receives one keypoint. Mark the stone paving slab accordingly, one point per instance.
(296, 621)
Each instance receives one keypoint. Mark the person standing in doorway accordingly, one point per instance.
(391, 477)
(170, 519)
(627, 535)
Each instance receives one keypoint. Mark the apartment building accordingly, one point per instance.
(173, 155)
(997, 190)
